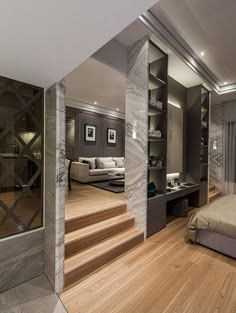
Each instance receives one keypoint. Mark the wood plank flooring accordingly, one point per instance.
(84, 198)
(165, 274)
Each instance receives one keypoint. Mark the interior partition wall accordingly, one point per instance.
(21, 181)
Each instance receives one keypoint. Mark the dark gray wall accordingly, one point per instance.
(177, 94)
(76, 146)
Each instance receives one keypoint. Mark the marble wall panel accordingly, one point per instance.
(136, 132)
(21, 258)
(54, 185)
(216, 146)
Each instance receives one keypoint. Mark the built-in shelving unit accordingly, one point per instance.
(198, 139)
(157, 117)
(157, 145)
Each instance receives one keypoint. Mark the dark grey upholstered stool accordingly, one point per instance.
(179, 208)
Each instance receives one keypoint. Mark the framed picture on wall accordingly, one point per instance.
(111, 135)
(90, 133)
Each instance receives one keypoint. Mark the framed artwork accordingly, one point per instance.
(90, 133)
(111, 135)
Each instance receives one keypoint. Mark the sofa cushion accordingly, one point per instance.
(109, 164)
(105, 159)
(105, 163)
(90, 161)
(99, 171)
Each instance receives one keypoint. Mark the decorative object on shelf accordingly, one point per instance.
(153, 160)
(155, 133)
(202, 141)
(204, 124)
(90, 133)
(111, 135)
(152, 190)
(156, 104)
(157, 161)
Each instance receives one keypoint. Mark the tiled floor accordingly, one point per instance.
(33, 296)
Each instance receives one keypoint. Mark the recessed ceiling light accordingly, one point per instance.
(202, 53)
(95, 102)
(225, 83)
(117, 109)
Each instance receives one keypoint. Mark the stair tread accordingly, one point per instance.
(214, 193)
(98, 227)
(84, 257)
(83, 212)
(211, 188)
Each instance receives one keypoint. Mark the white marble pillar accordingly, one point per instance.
(136, 132)
(216, 146)
(54, 185)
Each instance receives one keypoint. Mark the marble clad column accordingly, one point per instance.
(136, 132)
(216, 146)
(54, 185)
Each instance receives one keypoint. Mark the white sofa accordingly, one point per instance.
(89, 172)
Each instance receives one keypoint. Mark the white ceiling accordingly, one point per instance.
(206, 26)
(43, 41)
(93, 81)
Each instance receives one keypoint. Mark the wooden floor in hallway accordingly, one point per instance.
(165, 274)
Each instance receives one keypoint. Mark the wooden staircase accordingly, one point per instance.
(95, 237)
(213, 193)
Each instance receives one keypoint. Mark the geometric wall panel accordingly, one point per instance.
(21, 157)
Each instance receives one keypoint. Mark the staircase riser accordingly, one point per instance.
(211, 188)
(212, 198)
(81, 244)
(94, 218)
(98, 262)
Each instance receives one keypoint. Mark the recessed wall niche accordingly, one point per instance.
(21, 157)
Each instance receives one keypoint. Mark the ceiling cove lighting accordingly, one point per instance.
(202, 53)
(95, 102)
(225, 83)
(117, 109)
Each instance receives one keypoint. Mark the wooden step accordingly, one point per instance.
(214, 195)
(82, 264)
(81, 239)
(94, 215)
(211, 188)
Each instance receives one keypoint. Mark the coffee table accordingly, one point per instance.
(116, 179)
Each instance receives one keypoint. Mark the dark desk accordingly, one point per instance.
(157, 206)
(172, 195)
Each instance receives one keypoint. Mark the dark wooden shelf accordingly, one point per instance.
(155, 111)
(204, 164)
(155, 82)
(156, 168)
(204, 127)
(158, 195)
(150, 138)
(204, 146)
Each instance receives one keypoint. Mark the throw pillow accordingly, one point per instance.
(91, 162)
(99, 163)
(120, 163)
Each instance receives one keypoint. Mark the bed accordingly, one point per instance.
(214, 225)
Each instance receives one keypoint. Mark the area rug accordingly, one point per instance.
(106, 186)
